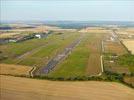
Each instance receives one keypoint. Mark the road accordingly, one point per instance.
(58, 58)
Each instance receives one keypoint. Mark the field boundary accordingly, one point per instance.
(122, 43)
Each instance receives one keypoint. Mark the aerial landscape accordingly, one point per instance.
(47, 55)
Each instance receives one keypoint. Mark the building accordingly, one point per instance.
(41, 35)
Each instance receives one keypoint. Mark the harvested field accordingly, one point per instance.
(114, 47)
(126, 30)
(126, 33)
(7, 35)
(41, 28)
(15, 88)
(14, 69)
(94, 30)
(129, 43)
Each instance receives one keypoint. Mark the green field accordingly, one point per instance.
(75, 65)
(126, 60)
(42, 49)
(121, 64)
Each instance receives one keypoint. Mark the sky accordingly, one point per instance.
(72, 10)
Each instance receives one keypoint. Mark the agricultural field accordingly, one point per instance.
(29, 29)
(66, 50)
(16, 70)
(129, 43)
(84, 59)
(114, 47)
(89, 51)
(16, 88)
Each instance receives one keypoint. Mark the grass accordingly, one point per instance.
(123, 62)
(54, 44)
(46, 53)
(126, 60)
(75, 64)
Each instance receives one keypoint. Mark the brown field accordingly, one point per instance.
(95, 30)
(94, 65)
(14, 69)
(130, 30)
(19, 30)
(125, 33)
(129, 43)
(114, 47)
(15, 88)
(8, 35)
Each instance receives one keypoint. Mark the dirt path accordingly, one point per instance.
(15, 88)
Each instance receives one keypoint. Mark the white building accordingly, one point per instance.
(38, 36)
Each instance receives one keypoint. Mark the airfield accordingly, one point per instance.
(92, 53)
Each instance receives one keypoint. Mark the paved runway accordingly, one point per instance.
(58, 58)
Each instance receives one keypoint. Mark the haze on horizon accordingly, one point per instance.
(76, 10)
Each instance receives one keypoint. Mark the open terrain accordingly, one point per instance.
(129, 43)
(15, 88)
(20, 29)
(84, 60)
(10, 69)
(118, 53)
(36, 52)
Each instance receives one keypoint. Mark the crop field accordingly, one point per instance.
(7, 35)
(10, 69)
(129, 43)
(25, 29)
(129, 31)
(84, 59)
(66, 50)
(114, 47)
(15, 88)
(94, 30)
